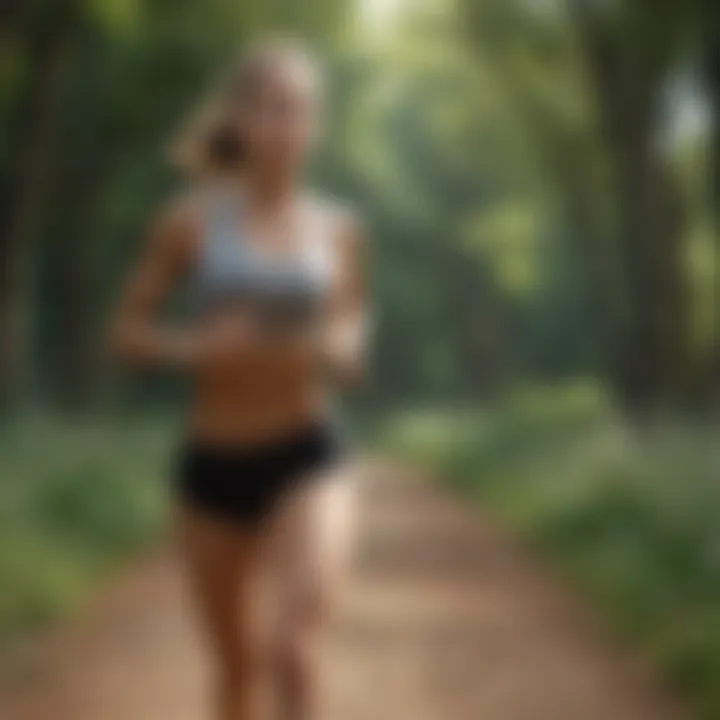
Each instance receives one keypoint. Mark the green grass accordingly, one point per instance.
(74, 502)
(633, 521)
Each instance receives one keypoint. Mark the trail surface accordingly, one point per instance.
(446, 620)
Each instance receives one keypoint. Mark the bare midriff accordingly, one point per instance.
(258, 399)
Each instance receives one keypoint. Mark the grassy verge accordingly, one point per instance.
(73, 503)
(632, 521)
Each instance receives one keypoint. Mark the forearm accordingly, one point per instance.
(344, 351)
(147, 344)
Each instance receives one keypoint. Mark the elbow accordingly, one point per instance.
(118, 344)
(347, 354)
(355, 374)
(351, 372)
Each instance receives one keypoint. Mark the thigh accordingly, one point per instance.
(311, 540)
(221, 561)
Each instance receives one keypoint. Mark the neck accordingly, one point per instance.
(265, 189)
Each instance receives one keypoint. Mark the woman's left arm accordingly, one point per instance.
(347, 330)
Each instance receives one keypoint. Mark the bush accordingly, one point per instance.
(73, 503)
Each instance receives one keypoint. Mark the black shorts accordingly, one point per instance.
(246, 483)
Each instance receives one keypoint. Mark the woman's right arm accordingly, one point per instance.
(136, 333)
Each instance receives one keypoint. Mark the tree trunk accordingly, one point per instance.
(77, 361)
(606, 293)
(627, 71)
(26, 184)
(712, 78)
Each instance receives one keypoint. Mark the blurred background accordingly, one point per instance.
(542, 183)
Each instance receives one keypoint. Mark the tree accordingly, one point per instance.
(619, 191)
(42, 37)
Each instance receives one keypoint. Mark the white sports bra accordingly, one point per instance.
(290, 290)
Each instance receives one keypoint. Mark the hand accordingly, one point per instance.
(342, 350)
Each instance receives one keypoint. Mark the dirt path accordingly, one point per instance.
(446, 621)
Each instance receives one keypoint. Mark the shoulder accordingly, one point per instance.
(181, 214)
(342, 220)
(177, 225)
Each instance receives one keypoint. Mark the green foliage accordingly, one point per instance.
(73, 503)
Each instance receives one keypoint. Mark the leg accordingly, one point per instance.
(221, 560)
(312, 536)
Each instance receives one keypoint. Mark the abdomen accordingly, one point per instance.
(256, 398)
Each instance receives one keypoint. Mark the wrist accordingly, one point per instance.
(182, 349)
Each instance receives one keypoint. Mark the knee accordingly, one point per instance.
(297, 635)
(298, 641)
(241, 661)
(295, 653)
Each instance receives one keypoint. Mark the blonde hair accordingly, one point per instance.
(207, 142)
